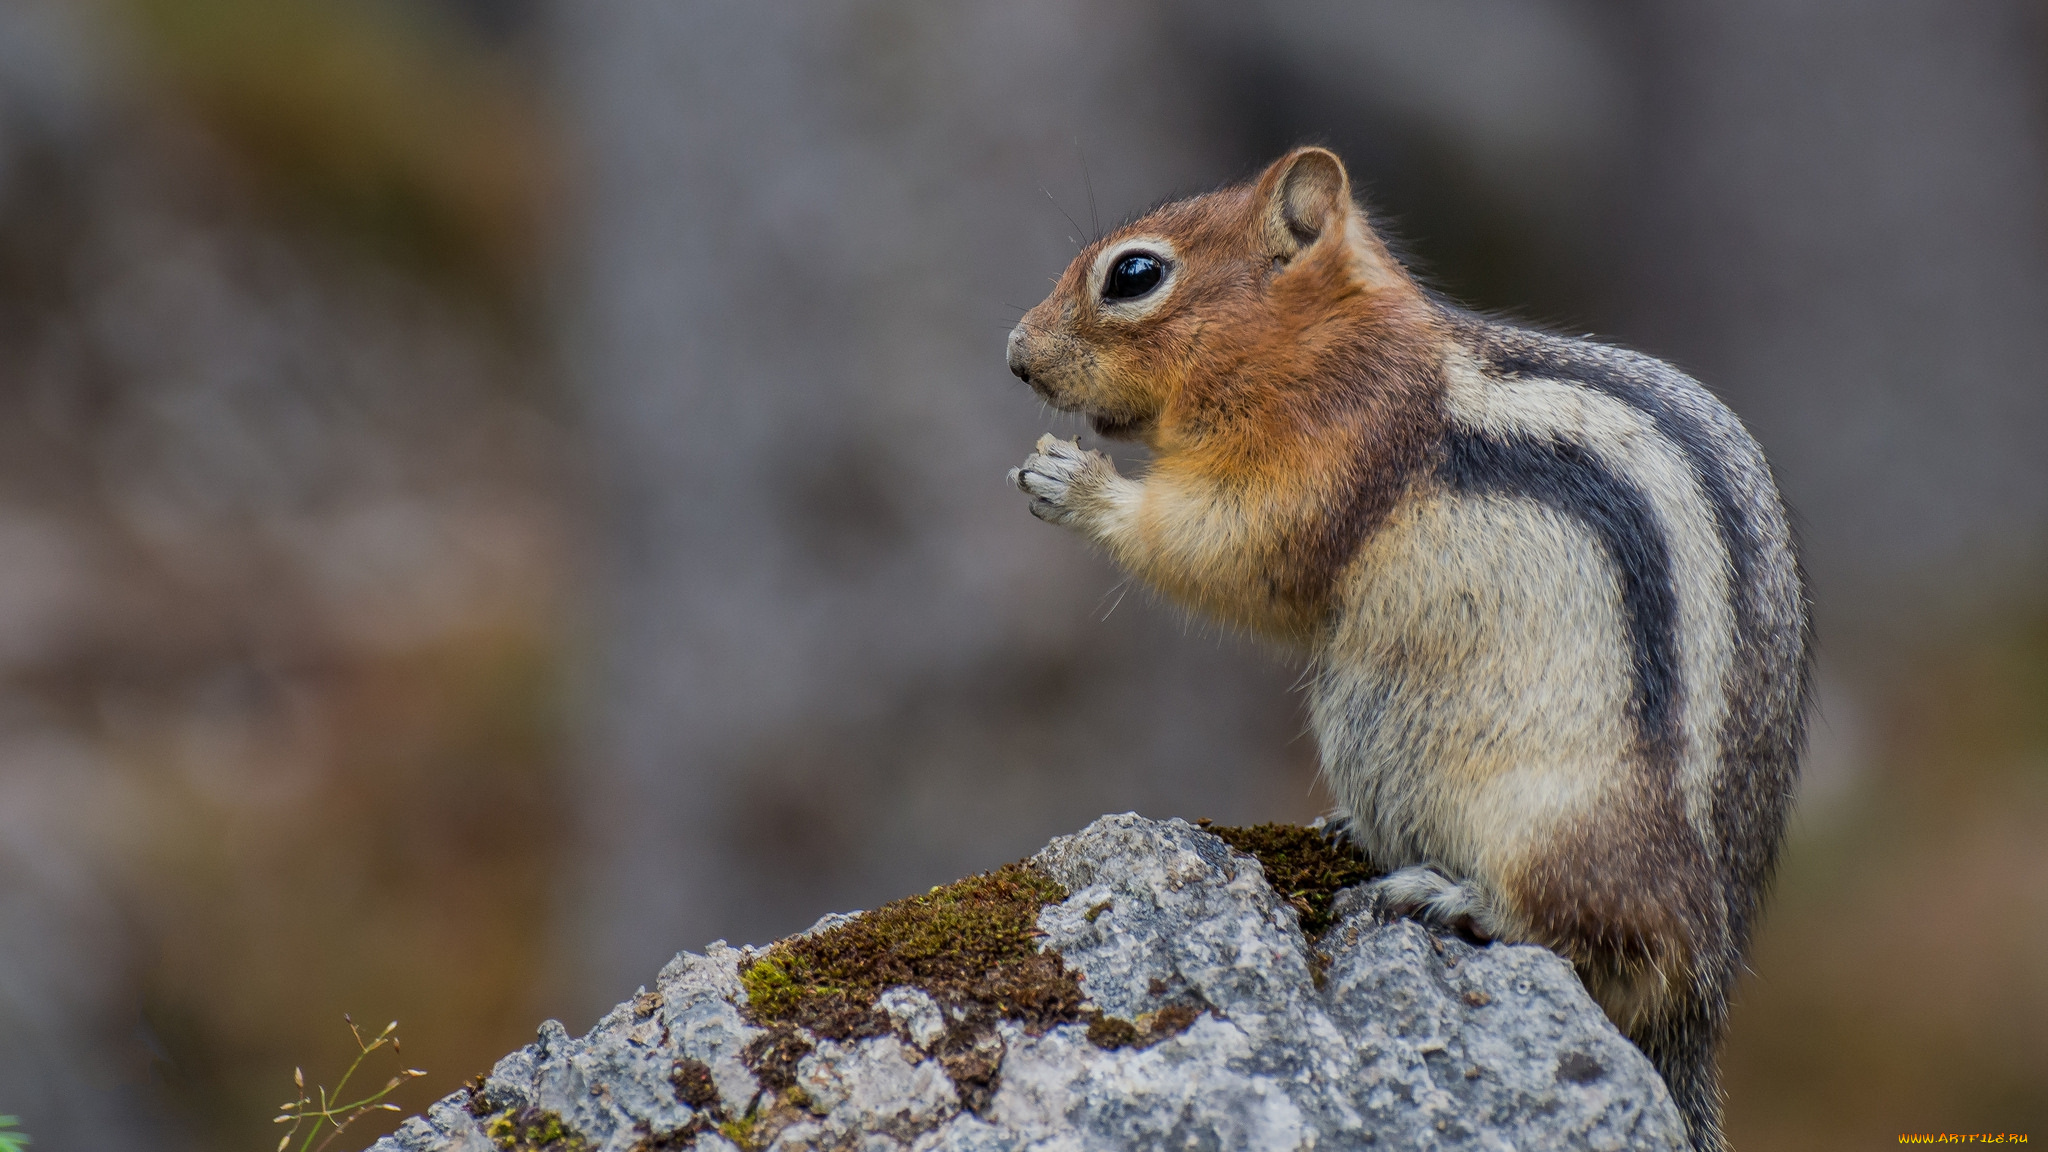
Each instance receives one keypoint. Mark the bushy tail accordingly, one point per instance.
(1682, 1049)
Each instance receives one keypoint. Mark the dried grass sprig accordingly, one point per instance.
(327, 1108)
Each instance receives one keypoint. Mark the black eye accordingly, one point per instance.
(1133, 276)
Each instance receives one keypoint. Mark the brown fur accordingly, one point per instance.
(1274, 378)
(1622, 899)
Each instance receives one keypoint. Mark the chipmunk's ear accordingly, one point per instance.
(1302, 197)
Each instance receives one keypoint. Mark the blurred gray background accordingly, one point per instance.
(493, 493)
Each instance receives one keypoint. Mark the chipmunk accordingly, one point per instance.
(1558, 628)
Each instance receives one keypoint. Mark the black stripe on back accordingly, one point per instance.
(1555, 360)
(1758, 743)
(1567, 478)
(1761, 735)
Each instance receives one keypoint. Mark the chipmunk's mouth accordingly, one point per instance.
(1112, 429)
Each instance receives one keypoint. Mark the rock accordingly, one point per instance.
(1210, 1023)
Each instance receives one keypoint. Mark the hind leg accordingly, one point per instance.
(1426, 895)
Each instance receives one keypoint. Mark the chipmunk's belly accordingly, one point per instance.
(1473, 701)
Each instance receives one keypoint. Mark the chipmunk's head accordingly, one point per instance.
(1233, 290)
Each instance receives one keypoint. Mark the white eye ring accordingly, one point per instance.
(1142, 305)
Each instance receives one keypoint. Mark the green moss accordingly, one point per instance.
(1303, 865)
(740, 1132)
(532, 1130)
(971, 945)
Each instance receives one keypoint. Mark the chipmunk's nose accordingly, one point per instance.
(1018, 364)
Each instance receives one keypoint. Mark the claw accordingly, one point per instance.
(1335, 827)
(1048, 477)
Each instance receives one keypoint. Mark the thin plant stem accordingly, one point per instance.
(335, 1111)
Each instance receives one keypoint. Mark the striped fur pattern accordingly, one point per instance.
(1558, 625)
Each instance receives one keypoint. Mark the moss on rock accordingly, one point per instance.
(970, 945)
(694, 1085)
(1304, 865)
(1148, 1029)
(532, 1130)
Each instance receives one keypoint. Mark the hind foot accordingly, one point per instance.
(1429, 897)
(1335, 827)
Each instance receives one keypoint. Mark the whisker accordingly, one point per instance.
(1121, 588)
(1063, 212)
(1089, 183)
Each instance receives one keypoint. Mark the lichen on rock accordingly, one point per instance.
(1138, 984)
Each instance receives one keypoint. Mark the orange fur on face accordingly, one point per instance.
(1291, 366)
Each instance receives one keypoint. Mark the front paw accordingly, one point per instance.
(1059, 477)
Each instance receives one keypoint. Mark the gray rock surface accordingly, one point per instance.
(1403, 1039)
